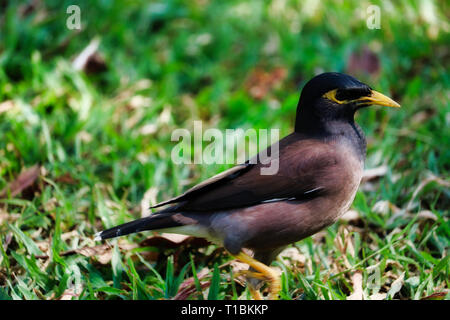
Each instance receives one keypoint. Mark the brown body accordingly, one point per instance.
(324, 179)
(280, 223)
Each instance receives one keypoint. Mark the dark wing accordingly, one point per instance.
(209, 184)
(301, 162)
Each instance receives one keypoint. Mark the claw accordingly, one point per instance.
(263, 273)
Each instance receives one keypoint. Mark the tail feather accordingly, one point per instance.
(152, 222)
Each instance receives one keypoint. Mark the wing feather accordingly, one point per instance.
(301, 162)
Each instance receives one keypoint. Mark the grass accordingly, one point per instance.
(84, 150)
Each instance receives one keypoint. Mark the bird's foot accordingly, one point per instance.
(263, 273)
(255, 293)
(256, 275)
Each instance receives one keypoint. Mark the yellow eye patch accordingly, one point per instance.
(331, 95)
(374, 97)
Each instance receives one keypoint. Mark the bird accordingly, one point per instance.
(320, 167)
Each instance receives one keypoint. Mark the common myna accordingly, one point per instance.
(320, 168)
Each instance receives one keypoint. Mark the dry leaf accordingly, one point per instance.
(363, 62)
(68, 294)
(22, 182)
(148, 200)
(436, 296)
(350, 215)
(169, 240)
(103, 252)
(344, 243)
(7, 105)
(81, 60)
(66, 178)
(90, 251)
(374, 173)
(89, 60)
(291, 256)
(139, 101)
(184, 294)
(422, 116)
(396, 286)
(261, 82)
(358, 293)
(187, 287)
(84, 136)
(29, 8)
(148, 129)
(378, 296)
(8, 217)
(427, 215)
(236, 266)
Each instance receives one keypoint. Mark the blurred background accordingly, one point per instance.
(86, 117)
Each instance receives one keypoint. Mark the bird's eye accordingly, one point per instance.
(343, 96)
(351, 93)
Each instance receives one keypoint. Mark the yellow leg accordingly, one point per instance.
(251, 274)
(263, 271)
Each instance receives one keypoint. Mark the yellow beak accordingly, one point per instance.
(379, 99)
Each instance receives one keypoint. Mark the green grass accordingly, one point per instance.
(102, 142)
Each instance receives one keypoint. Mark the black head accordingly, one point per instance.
(333, 96)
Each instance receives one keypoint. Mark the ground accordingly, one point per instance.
(85, 142)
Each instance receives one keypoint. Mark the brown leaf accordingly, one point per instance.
(70, 293)
(260, 82)
(435, 296)
(185, 293)
(363, 62)
(344, 244)
(187, 287)
(28, 8)
(66, 178)
(22, 182)
(236, 266)
(91, 251)
(422, 116)
(8, 217)
(85, 251)
(102, 252)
